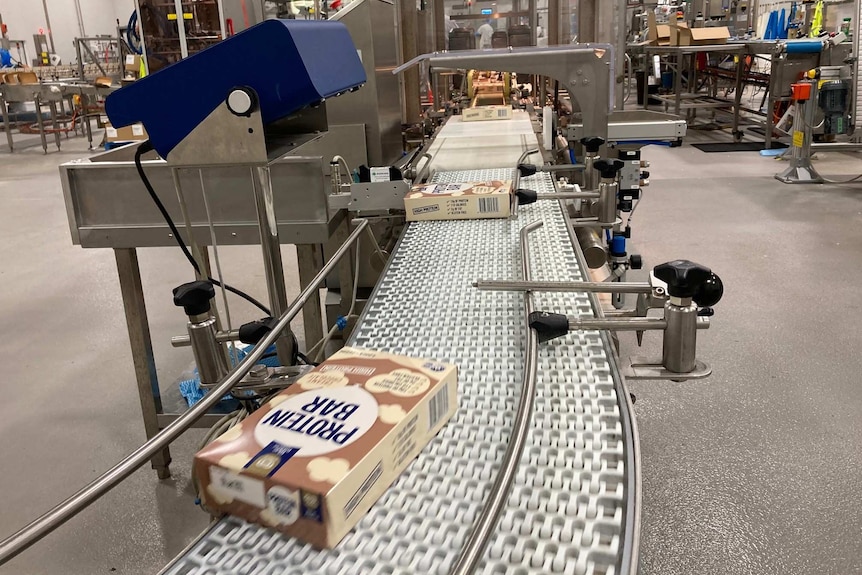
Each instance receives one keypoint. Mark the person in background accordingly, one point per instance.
(484, 33)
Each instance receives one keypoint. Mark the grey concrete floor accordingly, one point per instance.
(755, 470)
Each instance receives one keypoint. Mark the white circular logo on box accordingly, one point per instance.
(319, 421)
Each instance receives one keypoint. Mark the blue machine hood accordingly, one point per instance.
(291, 64)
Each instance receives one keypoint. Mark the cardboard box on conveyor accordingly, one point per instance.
(486, 113)
(459, 201)
(313, 460)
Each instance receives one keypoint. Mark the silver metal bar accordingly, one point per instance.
(49, 28)
(181, 28)
(562, 167)
(6, 123)
(41, 122)
(625, 324)
(52, 107)
(599, 287)
(570, 196)
(36, 530)
(272, 263)
(487, 521)
(221, 337)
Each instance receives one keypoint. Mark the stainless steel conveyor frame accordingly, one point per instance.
(574, 503)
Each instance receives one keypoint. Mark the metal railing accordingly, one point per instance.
(36, 530)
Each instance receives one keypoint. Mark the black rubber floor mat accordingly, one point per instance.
(736, 146)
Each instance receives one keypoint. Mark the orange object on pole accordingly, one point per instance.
(801, 91)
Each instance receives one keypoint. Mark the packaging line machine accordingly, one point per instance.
(58, 96)
(787, 60)
(539, 469)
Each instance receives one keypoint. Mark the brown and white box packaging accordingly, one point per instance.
(313, 460)
(465, 201)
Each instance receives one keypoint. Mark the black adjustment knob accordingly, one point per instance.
(683, 278)
(705, 312)
(549, 325)
(709, 293)
(609, 168)
(527, 170)
(194, 297)
(526, 196)
(592, 145)
(644, 175)
(636, 262)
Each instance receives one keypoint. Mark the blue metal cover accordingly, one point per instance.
(290, 63)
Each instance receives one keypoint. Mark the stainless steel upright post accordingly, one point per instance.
(272, 265)
(679, 349)
(80, 59)
(52, 106)
(138, 327)
(41, 124)
(85, 118)
(487, 522)
(48, 28)
(6, 123)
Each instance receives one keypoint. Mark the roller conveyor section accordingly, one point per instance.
(571, 508)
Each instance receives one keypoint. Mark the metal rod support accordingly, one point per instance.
(625, 324)
(221, 337)
(570, 196)
(36, 530)
(272, 264)
(562, 167)
(598, 287)
(484, 527)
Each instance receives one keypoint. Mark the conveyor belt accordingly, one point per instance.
(490, 144)
(567, 510)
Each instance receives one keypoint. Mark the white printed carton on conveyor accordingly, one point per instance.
(313, 460)
(464, 201)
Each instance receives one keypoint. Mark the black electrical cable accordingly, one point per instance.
(305, 359)
(143, 149)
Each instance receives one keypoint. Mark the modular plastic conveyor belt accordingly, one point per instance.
(571, 507)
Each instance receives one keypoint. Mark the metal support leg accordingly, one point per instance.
(772, 94)
(272, 265)
(41, 125)
(737, 100)
(62, 114)
(142, 351)
(677, 82)
(55, 122)
(309, 259)
(85, 118)
(345, 271)
(647, 64)
(7, 125)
